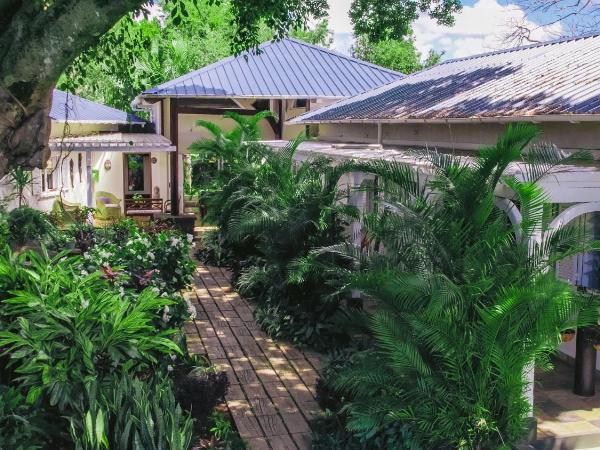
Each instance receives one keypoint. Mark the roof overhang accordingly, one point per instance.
(114, 142)
(571, 118)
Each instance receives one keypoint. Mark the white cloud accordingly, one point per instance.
(339, 21)
(478, 28)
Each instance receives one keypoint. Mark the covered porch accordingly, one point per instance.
(126, 174)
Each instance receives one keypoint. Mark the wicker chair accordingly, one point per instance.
(108, 206)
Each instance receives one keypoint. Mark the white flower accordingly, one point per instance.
(191, 309)
(122, 291)
(173, 357)
(155, 290)
(170, 368)
(164, 294)
(84, 273)
(150, 255)
(190, 238)
(85, 304)
(86, 255)
(166, 316)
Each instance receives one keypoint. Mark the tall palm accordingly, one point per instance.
(216, 160)
(286, 212)
(464, 306)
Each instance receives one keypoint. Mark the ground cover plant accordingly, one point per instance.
(92, 357)
(466, 301)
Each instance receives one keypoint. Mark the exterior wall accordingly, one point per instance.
(189, 132)
(76, 193)
(460, 136)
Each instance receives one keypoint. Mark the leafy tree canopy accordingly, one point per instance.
(39, 39)
(138, 53)
(395, 54)
(391, 19)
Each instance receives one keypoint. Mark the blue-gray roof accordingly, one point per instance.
(558, 78)
(285, 69)
(67, 106)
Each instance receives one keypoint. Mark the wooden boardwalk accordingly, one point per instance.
(272, 392)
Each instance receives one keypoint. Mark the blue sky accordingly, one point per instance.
(481, 26)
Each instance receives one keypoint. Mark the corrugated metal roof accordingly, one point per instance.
(77, 109)
(285, 69)
(542, 80)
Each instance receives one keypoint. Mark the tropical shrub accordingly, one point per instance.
(129, 413)
(90, 359)
(216, 161)
(20, 427)
(139, 259)
(26, 224)
(467, 301)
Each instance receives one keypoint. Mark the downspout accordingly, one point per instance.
(380, 133)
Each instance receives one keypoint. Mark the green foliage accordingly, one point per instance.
(90, 362)
(272, 212)
(400, 55)
(379, 20)
(319, 35)
(139, 53)
(20, 429)
(27, 225)
(141, 259)
(128, 413)
(19, 179)
(464, 306)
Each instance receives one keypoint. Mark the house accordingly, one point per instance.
(463, 104)
(96, 151)
(288, 77)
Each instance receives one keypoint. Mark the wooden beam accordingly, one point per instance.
(280, 113)
(174, 123)
(214, 111)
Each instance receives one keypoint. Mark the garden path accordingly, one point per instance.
(272, 392)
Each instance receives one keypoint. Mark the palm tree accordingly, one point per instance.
(19, 179)
(216, 160)
(285, 211)
(464, 306)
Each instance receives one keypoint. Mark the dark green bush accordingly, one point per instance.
(27, 225)
(91, 359)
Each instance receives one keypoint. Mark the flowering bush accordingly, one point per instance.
(144, 260)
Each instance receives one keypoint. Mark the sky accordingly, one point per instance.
(480, 27)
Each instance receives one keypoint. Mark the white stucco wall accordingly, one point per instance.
(566, 135)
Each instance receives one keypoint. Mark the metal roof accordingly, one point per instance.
(77, 109)
(284, 69)
(109, 141)
(545, 81)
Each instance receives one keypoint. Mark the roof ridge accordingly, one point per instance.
(521, 47)
(341, 55)
(266, 44)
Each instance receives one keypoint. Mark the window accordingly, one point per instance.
(80, 166)
(300, 103)
(72, 172)
(51, 175)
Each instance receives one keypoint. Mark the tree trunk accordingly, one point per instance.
(36, 46)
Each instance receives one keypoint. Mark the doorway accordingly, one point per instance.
(137, 175)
